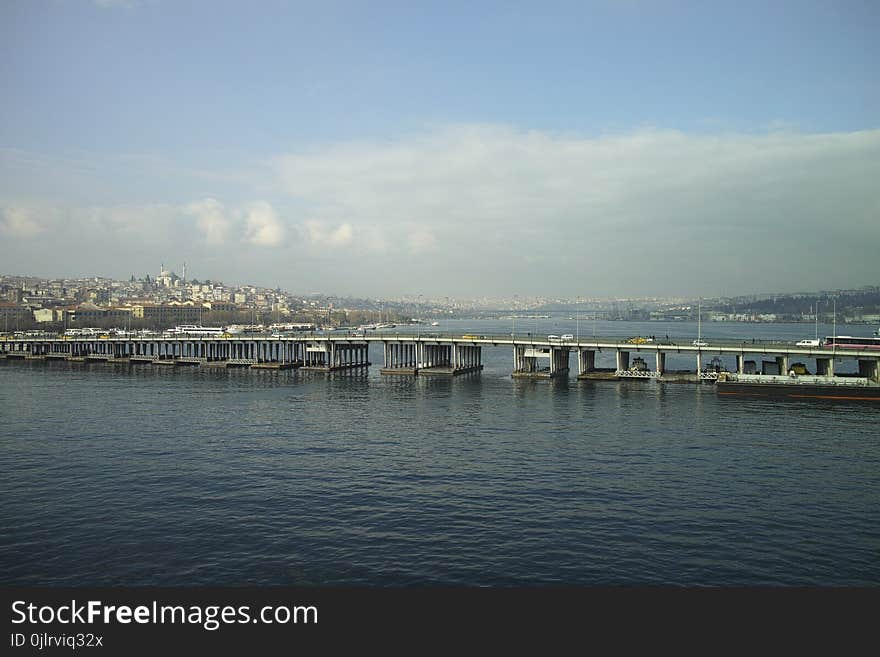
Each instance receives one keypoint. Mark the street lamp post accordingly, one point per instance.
(418, 330)
(834, 328)
(513, 316)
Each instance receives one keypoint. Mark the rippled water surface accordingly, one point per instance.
(146, 475)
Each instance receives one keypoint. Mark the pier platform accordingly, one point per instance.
(541, 374)
(405, 371)
(604, 374)
(448, 371)
(333, 368)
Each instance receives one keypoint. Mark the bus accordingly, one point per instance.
(850, 342)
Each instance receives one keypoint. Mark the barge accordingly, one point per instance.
(798, 387)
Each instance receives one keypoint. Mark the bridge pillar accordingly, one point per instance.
(870, 368)
(444, 359)
(661, 362)
(586, 361)
(558, 361)
(782, 362)
(622, 358)
(525, 360)
(400, 358)
(825, 366)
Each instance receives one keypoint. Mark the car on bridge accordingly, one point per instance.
(700, 343)
(567, 336)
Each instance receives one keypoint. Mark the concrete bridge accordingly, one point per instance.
(439, 355)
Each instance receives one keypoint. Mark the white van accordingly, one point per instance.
(808, 343)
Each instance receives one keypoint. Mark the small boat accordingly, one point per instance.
(435, 323)
(715, 365)
(638, 365)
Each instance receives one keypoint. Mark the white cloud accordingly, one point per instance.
(19, 222)
(135, 223)
(616, 210)
(211, 220)
(421, 240)
(262, 226)
(129, 224)
(319, 234)
(649, 212)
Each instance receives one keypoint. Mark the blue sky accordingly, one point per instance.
(287, 142)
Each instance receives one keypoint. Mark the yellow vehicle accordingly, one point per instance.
(639, 340)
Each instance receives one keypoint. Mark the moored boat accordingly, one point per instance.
(798, 387)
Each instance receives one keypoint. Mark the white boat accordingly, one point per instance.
(435, 323)
(190, 329)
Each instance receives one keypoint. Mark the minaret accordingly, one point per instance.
(184, 271)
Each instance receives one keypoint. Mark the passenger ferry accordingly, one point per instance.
(189, 329)
(84, 332)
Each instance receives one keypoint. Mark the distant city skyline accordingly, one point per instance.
(166, 278)
(611, 149)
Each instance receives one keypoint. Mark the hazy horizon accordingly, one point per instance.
(605, 149)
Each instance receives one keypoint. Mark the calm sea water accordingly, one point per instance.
(152, 476)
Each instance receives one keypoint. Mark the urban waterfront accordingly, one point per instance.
(115, 474)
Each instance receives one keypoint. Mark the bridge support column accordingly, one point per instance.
(622, 358)
(400, 358)
(525, 361)
(661, 362)
(870, 369)
(782, 362)
(825, 366)
(449, 359)
(586, 361)
(558, 361)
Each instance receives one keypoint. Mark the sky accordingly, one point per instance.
(465, 149)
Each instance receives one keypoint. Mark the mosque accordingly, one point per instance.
(168, 278)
